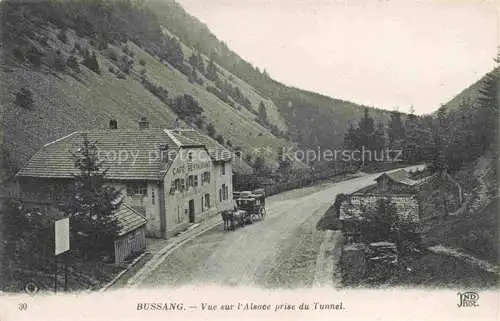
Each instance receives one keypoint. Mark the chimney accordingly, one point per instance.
(143, 123)
(113, 124)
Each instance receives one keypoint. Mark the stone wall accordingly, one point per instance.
(407, 206)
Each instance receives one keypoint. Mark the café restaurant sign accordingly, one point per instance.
(187, 169)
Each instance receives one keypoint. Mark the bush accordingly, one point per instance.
(62, 36)
(112, 54)
(24, 98)
(158, 91)
(91, 62)
(72, 63)
(220, 139)
(186, 106)
(60, 62)
(210, 130)
(18, 54)
(34, 56)
(142, 62)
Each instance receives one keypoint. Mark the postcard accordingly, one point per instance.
(250, 159)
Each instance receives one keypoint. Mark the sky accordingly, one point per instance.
(382, 53)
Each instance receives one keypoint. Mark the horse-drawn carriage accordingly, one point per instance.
(248, 206)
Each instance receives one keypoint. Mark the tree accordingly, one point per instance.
(284, 163)
(24, 98)
(210, 130)
(263, 114)
(90, 61)
(351, 138)
(396, 131)
(220, 139)
(91, 203)
(379, 136)
(259, 165)
(212, 71)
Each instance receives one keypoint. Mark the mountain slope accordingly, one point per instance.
(78, 64)
(312, 119)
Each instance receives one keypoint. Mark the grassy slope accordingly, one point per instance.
(64, 103)
(235, 125)
(474, 233)
(246, 89)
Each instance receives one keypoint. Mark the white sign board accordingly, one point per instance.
(61, 230)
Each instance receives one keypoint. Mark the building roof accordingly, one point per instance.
(400, 176)
(216, 151)
(128, 219)
(128, 154)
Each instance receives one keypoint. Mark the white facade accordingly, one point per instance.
(191, 191)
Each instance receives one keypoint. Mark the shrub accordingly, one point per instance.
(91, 62)
(34, 56)
(142, 62)
(24, 98)
(199, 122)
(112, 54)
(158, 91)
(186, 106)
(220, 139)
(72, 63)
(210, 130)
(60, 62)
(18, 54)
(62, 36)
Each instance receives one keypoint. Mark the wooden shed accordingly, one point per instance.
(131, 237)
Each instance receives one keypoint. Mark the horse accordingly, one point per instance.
(229, 219)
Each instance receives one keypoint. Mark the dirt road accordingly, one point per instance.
(280, 251)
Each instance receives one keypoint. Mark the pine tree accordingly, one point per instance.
(350, 138)
(91, 203)
(396, 130)
(263, 114)
(367, 131)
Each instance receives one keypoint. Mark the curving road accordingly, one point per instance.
(280, 251)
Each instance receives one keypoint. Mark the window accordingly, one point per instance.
(220, 195)
(179, 214)
(225, 192)
(207, 200)
(205, 178)
(178, 185)
(195, 180)
(190, 181)
(223, 169)
(152, 196)
(137, 189)
(131, 238)
(202, 204)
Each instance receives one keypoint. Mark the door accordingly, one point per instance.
(191, 211)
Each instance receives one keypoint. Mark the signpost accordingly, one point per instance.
(61, 245)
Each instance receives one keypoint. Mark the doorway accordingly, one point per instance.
(191, 211)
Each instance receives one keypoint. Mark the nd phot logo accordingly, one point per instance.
(467, 299)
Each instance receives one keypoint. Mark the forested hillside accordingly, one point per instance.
(313, 119)
(68, 65)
